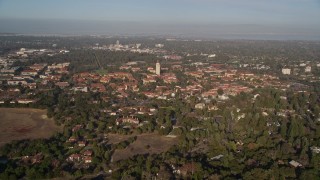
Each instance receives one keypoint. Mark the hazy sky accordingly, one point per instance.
(272, 16)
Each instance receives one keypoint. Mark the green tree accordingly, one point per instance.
(220, 91)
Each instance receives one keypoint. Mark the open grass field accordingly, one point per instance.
(25, 123)
(157, 144)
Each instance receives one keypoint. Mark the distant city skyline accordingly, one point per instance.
(296, 18)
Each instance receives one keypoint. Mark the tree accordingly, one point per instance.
(91, 125)
(309, 174)
(164, 173)
(283, 130)
(257, 172)
(296, 128)
(220, 92)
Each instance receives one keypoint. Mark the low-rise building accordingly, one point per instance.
(29, 72)
(295, 164)
(200, 106)
(25, 101)
(286, 71)
(130, 120)
(74, 157)
(307, 69)
(16, 82)
(81, 143)
(62, 84)
(87, 159)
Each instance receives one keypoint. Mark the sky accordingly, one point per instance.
(193, 17)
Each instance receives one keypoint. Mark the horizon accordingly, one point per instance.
(213, 19)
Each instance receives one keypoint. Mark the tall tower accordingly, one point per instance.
(158, 68)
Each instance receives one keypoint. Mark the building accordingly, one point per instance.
(17, 82)
(295, 164)
(302, 64)
(62, 84)
(307, 69)
(315, 149)
(117, 45)
(286, 71)
(130, 120)
(158, 68)
(74, 157)
(12, 70)
(30, 72)
(38, 67)
(25, 101)
(81, 143)
(88, 160)
(200, 106)
(211, 55)
(88, 153)
(159, 45)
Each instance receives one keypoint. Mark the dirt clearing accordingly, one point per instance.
(145, 144)
(25, 123)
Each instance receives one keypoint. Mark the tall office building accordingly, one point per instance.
(158, 68)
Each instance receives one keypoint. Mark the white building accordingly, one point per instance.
(158, 68)
(25, 101)
(200, 106)
(159, 45)
(303, 64)
(295, 164)
(286, 71)
(315, 149)
(307, 69)
(16, 82)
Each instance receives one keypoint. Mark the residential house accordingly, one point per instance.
(130, 120)
(62, 85)
(25, 101)
(87, 159)
(29, 72)
(74, 157)
(88, 153)
(81, 143)
(200, 106)
(295, 164)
